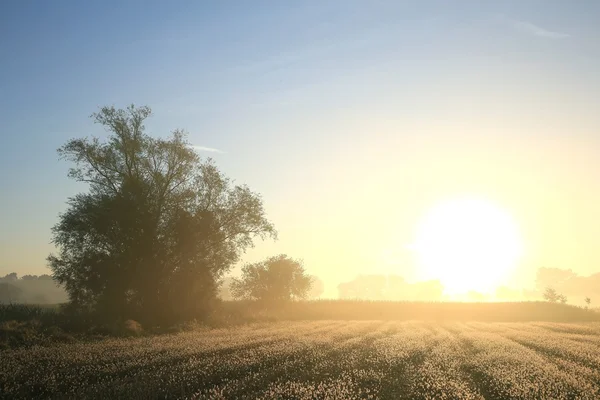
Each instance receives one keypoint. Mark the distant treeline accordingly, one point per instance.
(41, 289)
(390, 287)
(574, 287)
(423, 311)
(31, 289)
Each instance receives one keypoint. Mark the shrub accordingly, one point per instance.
(132, 328)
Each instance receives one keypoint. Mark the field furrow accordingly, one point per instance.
(324, 359)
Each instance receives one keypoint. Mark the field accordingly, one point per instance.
(320, 359)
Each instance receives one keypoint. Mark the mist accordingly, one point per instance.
(31, 289)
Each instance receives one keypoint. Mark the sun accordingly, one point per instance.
(469, 244)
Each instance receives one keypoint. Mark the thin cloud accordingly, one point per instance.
(207, 149)
(536, 30)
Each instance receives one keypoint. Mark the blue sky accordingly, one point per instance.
(319, 106)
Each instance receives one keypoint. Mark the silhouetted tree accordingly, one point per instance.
(158, 226)
(588, 301)
(10, 277)
(562, 298)
(551, 295)
(276, 279)
(566, 282)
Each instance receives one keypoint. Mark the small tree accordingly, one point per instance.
(273, 280)
(551, 295)
(562, 298)
(588, 301)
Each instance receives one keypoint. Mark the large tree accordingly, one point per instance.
(157, 228)
(272, 281)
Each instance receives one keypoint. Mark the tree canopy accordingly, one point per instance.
(158, 226)
(551, 295)
(276, 279)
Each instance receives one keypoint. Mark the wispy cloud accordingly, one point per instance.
(207, 149)
(532, 29)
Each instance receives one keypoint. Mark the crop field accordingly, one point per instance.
(320, 359)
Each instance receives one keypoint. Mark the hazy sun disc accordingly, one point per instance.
(468, 244)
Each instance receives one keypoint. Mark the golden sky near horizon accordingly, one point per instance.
(367, 206)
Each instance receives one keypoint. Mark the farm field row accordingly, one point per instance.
(320, 359)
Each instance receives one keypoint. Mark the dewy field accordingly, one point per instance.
(320, 360)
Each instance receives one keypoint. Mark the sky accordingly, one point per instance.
(352, 119)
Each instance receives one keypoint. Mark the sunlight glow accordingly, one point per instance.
(468, 244)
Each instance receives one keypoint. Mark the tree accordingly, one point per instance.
(276, 279)
(12, 277)
(551, 295)
(566, 282)
(562, 298)
(158, 226)
(588, 301)
(316, 288)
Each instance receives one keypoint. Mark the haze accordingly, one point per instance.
(354, 121)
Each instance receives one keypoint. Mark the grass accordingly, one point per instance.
(320, 359)
(24, 325)
(306, 350)
(26, 312)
